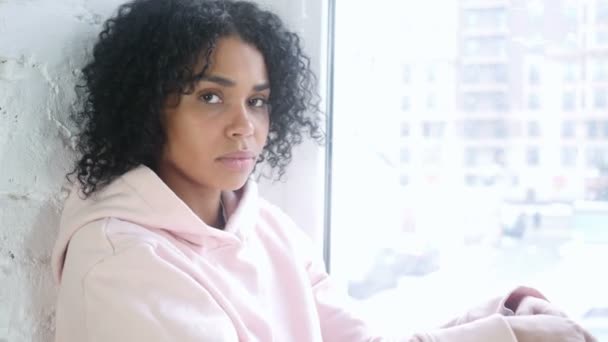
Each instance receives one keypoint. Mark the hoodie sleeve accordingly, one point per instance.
(339, 324)
(506, 306)
(138, 296)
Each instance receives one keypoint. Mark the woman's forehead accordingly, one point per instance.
(233, 59)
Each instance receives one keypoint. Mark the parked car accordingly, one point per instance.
(595, 320)
(407, 255)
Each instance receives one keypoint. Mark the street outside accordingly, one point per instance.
(565, 272)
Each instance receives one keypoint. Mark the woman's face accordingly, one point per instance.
(215, 134)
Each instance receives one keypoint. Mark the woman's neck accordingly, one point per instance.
(203, 201)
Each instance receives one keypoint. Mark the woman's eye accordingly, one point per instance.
(210, 98)
(258, 102)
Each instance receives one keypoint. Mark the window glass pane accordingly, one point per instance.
(407, 74)
(478, 146)
(569, 155)
(599, 70)
(534, 75)
(405, 129)
(569, 101)
(600, 98)
(533, 102)
(533, 129)
(601, 37)
(602, 12)
(493, 73)
(405, 103)
(568, 129)
(570, 71)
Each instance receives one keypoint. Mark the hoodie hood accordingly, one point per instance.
(141, 197)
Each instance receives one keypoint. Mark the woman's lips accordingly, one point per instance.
(238, 161)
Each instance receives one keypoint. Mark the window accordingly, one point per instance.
(484, 129)
(569, 155)
(571, 72)
(592, 129)
(601, 37)
(485, 101)
(483, 156)
(431, 74)
(405, 103)
(404, 180)
(570, 12)
(600, 98)
(407, 74)
(485, 47)
(453, 186)
(405, 155)
(596, 157)
(532, 156)
(601, 14)
(600, 70)
(491, 18)
(493, 73)
(500, 156)
(430, 102)
(405, 129)
(432, 129)
(535, 9)
(534, 75)
(533, 129)
(533, 101)
(470, 156)
(568, 129)
(569, 101)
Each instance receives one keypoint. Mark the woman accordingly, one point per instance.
(164, 237)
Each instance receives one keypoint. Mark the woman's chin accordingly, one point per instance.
(233, 183)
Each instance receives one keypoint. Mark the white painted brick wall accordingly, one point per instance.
(42, 47)
(43, 43)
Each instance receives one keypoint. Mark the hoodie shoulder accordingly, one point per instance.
(276, 225)
(101, 239)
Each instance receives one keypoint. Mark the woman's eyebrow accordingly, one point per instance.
(262, 86)
(219, 80)
(225, 82)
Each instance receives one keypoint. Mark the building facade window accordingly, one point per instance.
(570, 72)
(569, 101)
(404, 155)
(532, 156)
(534, 75)
(592, 129)
(406, 74)
(568, 129)
(533, 129)
(405, 103)
(569, 155)
(599, 70)
(405, 129)
(484, 19)
(433, 129)
(492, 73)
(600, 98)
(485, 47)
(485, 101)
(533, 101)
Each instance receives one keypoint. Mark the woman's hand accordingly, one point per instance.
(536, 306)
(542, 327)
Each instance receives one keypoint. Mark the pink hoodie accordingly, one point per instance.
(134, 263)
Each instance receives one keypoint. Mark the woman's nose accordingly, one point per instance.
(241, 124)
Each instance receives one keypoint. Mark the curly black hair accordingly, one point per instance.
(148, 51)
